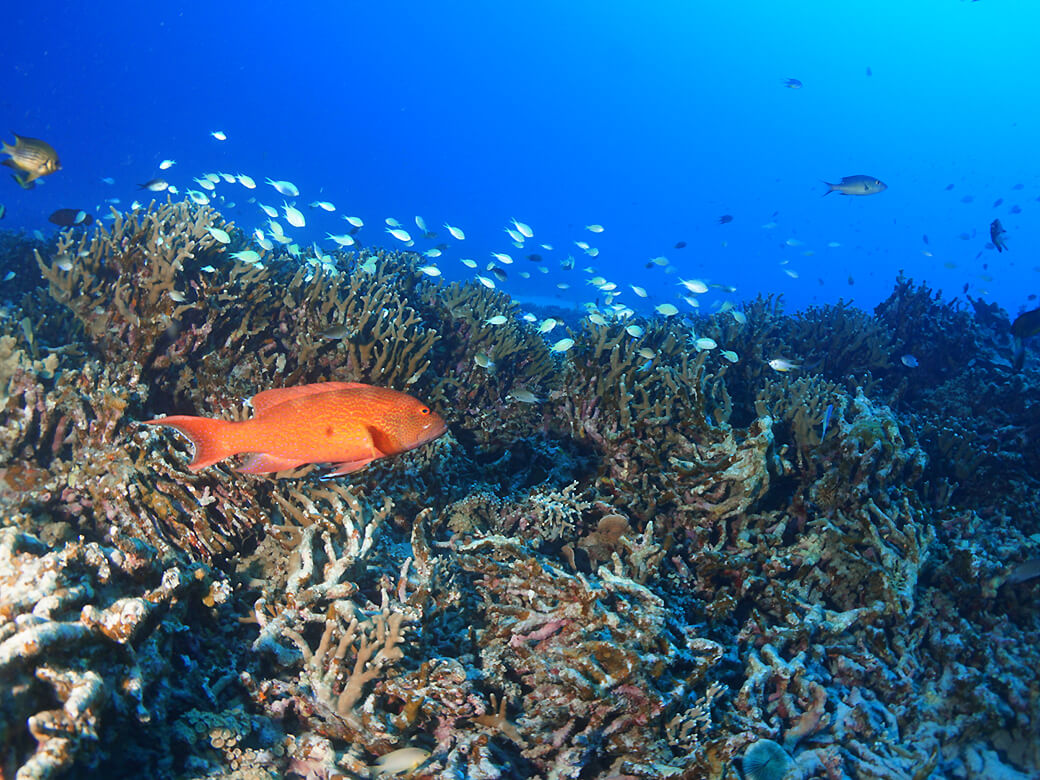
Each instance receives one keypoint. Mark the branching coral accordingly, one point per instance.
(590, 662)
(628, 559)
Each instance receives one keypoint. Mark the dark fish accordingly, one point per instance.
(1031, 297)
(851, 280)
(1026, 570)
(792, 83)
(1026, 325)
(1015, 210)
(725, 218)
(680, 244)
(154, 185)
(499, 274)
(996, 235)
(967, 199)
(949, 187)
(35, 157)
(71, 218)
(534, 257)
(857, 185)
(1018, 186)
(997, 202)
(925, 237)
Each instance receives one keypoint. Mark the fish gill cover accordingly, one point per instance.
(729, 486)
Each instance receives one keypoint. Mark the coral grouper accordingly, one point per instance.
(344, 423)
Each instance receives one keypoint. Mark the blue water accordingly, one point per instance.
(651, 119)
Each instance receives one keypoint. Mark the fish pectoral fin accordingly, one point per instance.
(380, 442)
(347, 467)
(262, 463)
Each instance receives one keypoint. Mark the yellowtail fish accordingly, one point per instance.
(857, 185)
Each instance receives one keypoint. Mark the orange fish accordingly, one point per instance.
(344, 423)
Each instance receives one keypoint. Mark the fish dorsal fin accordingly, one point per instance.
(264, 401)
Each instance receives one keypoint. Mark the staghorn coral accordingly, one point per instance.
(648, 423)
(937, 334)
(513, 355)
(841, 341)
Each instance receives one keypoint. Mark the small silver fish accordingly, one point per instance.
(524, 397)
(335, 333)
(782, 364)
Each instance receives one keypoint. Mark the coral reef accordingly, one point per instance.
(613, 566)
(68, 634)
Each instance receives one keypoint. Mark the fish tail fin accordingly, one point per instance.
(830, 188)
(211, 438)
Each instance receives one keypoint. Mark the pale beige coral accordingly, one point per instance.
(56, 604)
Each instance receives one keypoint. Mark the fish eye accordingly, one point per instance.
(424, 410)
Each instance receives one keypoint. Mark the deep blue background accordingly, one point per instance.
(651, 121)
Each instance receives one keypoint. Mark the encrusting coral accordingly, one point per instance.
(612, 566)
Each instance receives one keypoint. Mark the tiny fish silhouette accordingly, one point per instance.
(997, 234)
(344, 423)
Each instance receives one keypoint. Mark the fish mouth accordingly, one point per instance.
(434, 430)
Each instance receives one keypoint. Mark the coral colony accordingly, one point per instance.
(629, 557)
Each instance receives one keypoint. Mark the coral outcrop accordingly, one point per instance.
(629, 559)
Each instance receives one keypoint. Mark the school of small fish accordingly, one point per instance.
(33, 158)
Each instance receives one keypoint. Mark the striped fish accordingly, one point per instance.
(35, 157)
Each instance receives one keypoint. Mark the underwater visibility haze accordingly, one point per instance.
(520, 390)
